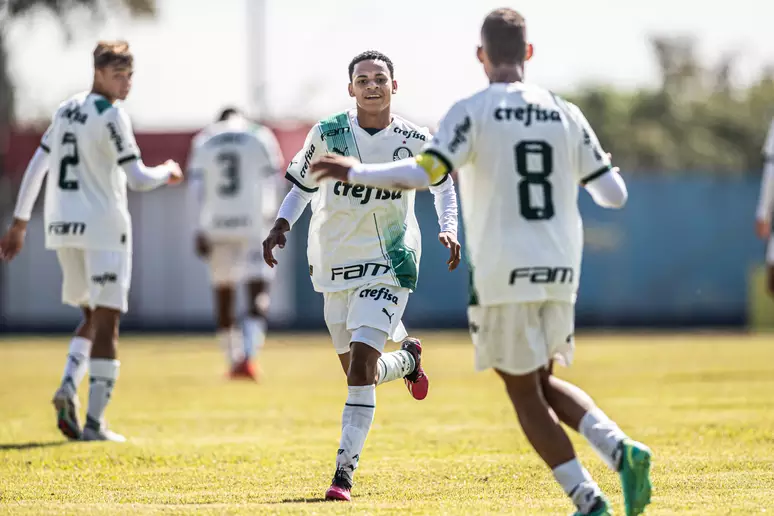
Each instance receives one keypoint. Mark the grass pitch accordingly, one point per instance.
(200, 444)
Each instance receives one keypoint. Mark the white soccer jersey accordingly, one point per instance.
(360, 234)
(237, 164)
(522, 152)
(88, 140)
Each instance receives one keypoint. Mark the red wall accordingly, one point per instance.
(156, 147)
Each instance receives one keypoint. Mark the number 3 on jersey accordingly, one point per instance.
(230, 163)
(70, 159)
(534, 163)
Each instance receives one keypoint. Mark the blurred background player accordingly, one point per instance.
(91, 150)
(522, 152)
(364, 249)
(233, 175)
(766, 205)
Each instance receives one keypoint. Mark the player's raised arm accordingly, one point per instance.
(127, 156)
(595, 172)
(13, 241)
(766, 199)
(450, 149)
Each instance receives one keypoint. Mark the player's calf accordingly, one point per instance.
(356, 419)
(103, 369)
(550, 441)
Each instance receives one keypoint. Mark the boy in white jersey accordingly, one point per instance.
(364, 249)
(233, 177)
(523, 152)
(766, 205)
(91, 151)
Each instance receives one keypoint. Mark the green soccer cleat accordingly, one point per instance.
(635, 476)
(601, 508)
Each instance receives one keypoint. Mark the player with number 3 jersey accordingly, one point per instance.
(233, 174)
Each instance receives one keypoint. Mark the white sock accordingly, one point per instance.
(103, 372)
(394, 365)
(604, 435)
(255, 335)
(577, 484)
(231, 343)
(77, 363)
(355, 422)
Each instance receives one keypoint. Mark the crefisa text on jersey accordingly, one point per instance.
(364, 192)
(527, 114)
(410, 134)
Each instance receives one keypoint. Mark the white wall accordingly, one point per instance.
(170, 285)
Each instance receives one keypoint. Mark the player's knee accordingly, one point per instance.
(362, 364)
(523, 387)
(260, 305)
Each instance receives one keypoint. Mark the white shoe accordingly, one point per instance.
(66, 404)
(101, 434)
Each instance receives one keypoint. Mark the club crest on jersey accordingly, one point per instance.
(410, 134)
(460, 132)
(527, 114)
(401, 153)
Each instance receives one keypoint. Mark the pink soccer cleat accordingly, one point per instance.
(417, 382)
(244, 370)
(341, 487)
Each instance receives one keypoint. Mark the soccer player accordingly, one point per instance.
(233, 180)
(364, 249)
(522, 152)
(91, 150)
(766, 205)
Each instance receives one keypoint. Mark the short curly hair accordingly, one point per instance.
(369, 55)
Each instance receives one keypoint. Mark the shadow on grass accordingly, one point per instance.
(303, 500)
(31, 445)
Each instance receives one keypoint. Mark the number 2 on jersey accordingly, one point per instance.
(230, 163)
(534, 163)
(69, 160)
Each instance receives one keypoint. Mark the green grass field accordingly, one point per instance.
(200, 444)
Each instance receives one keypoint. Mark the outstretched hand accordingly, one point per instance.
(449, 240)
(333, 166)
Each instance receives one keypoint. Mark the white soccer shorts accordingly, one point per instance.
(95, 278)
(520, 338)
(377, 306)
(770, 252)
(233, 262)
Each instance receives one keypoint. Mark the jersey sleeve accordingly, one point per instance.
(45, 140)
(592, 160)
(453, 144)
(768, 146)
(298, 170)
(120, 137)
(271, 148)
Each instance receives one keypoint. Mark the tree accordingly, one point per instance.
(13, 10)
(696, 121)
